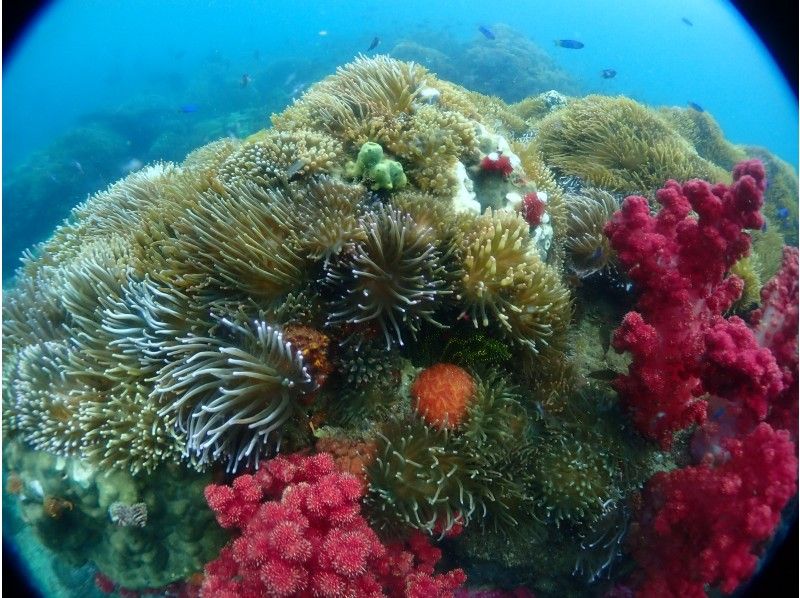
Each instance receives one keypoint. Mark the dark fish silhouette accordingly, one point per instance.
(375, 41)
(189, 108)
(608, 73)
(687, 21)
(694, 106)
(606, 375)
(783, 213)
(572, 44)
(245, 80)
(487, 33)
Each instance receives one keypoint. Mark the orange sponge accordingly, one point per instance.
(442, 394)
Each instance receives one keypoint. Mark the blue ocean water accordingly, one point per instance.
(157, 68)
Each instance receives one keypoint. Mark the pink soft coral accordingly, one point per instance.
(702, 525)
(302, 534)
(682, 347)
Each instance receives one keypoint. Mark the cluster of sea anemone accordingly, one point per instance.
(388, 274)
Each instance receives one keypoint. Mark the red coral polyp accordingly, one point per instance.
(533, 209)
(497, 162)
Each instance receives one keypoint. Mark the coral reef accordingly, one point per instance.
(70, 506)
(406, 290)
(619, 145)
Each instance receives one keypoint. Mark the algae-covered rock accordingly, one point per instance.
(69, 503)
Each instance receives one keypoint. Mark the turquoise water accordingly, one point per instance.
(97, 89)
(132, 66)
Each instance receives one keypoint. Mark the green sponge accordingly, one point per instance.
(375, 170)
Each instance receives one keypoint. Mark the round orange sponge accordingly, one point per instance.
(442, 394)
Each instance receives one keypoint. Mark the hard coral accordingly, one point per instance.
(678, 265)
(302, 534)
(442, 394)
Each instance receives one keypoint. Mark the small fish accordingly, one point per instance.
(246, 79)
(131, 165)
(572, 44)
(295, 168)
(375, 41)
(606, 375)
(687, 22)
(608, 73)
(322, 32)
(188, 108)
(783, 213)
(695, 106)
(297, 91)
(77, 165)
(487, 33)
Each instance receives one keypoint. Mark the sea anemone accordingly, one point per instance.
(507, 284)
(394, 278)
(233, 391)
(576, 478)
(442, 394)
(237, 242)
(418, 480)
(365, 363)
(587, 246)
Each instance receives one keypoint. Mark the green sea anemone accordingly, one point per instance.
(506, 284)
(587, 246)
(422, 479)
(393, 279)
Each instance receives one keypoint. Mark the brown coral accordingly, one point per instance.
(54, 506)
(315, 348)
(352, 456)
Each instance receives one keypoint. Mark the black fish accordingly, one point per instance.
(569, 43)
(687, 21)
(606, 374)
(375, 41)
(608, 74)
(694, 106)
(487, 33)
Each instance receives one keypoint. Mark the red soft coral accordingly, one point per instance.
(775, 327)
(497, 162)
(681, 346)
(702, 525)
(308, 538)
